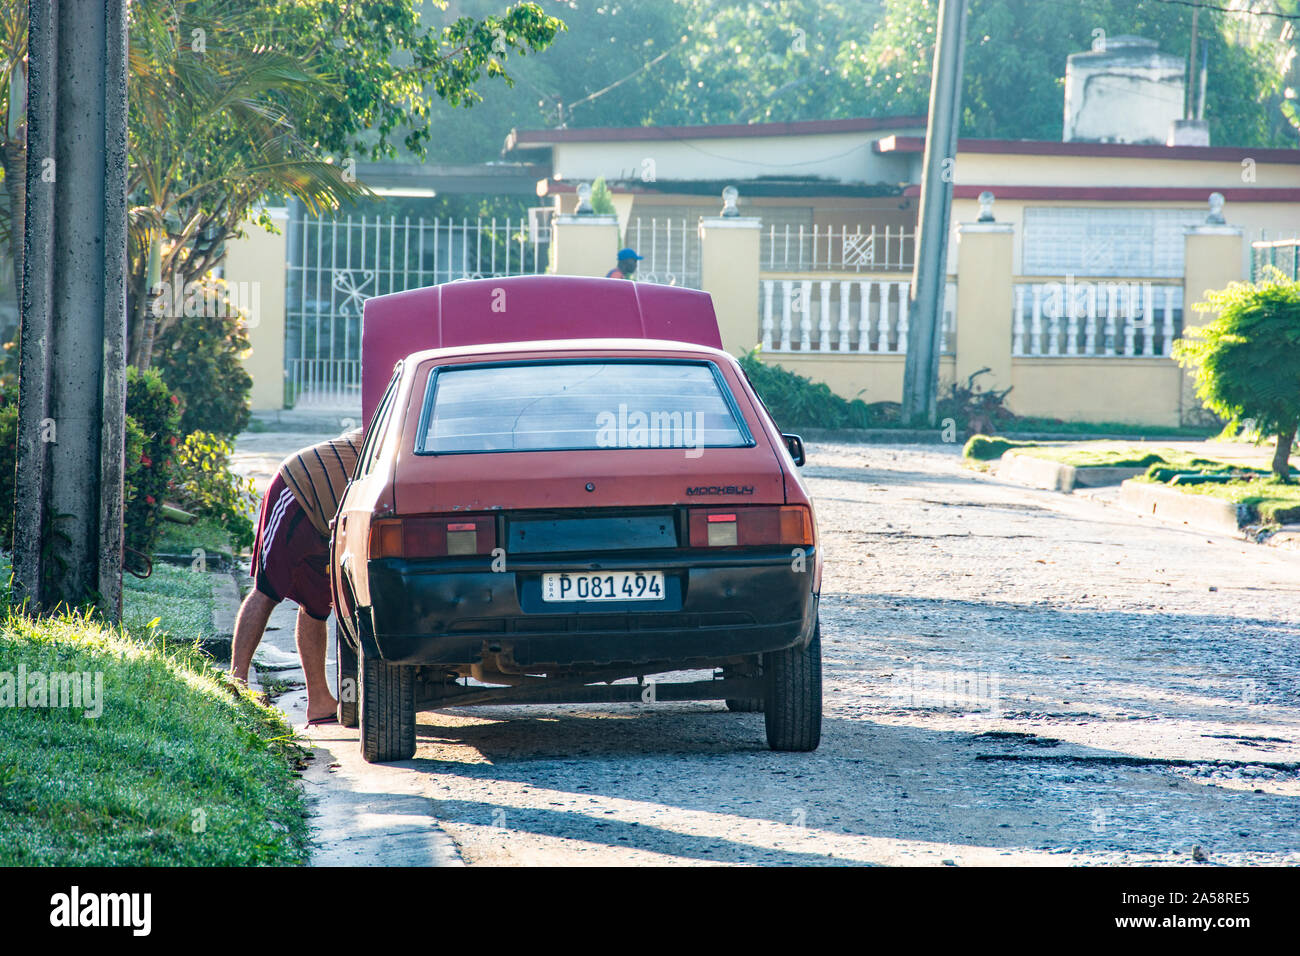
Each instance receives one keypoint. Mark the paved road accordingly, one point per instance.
(1012, 676)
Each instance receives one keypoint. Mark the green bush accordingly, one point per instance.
(1247, 361)
(199, 357)
(203, 484)
(602, 199)
(797, 402)
(990, 448)
(156, 413)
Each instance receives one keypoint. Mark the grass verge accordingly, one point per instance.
(162, 763)
(1271, 501)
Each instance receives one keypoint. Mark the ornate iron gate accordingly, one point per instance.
(336, 264)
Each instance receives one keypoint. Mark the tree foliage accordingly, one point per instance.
(745, 61)
(1247, 360)
(1013, 74)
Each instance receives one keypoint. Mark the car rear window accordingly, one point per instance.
(557, 406)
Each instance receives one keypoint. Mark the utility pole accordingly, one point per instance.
(72, 379)
(930, 275)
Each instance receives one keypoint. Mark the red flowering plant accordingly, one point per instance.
(153, 420)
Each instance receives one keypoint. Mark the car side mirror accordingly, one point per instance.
(794, 444)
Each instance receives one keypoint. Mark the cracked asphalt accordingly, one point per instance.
(1011, 676)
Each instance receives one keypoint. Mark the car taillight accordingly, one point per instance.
(738, 527)
(432, 537)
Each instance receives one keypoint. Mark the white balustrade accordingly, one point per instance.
(1095, 318)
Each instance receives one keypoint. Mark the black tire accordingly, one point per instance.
(387, 710)
(747, 705)
(794, 696)
(345, 672)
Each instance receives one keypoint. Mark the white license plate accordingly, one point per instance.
(610, 586)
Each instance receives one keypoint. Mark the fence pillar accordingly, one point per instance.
(985, 286)
(729, 267)
(584, 245)
(1212, 257)
(259, 260)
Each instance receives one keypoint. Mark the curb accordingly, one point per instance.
(1175, 507)
(1037, 472)
(1057, 476)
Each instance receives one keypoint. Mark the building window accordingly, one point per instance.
(1086, 241)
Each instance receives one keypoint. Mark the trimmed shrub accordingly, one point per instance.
(203, 484)
(199, 358)
(157, 415)
(796, 401)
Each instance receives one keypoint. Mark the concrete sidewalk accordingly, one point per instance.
(363, 814)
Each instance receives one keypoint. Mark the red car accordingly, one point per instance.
(538, 517)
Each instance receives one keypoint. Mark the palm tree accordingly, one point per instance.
(211, 134)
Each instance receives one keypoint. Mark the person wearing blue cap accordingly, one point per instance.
(627, 260)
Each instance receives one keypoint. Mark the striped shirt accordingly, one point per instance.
(318, 475)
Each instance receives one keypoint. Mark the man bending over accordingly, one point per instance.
(290, 560)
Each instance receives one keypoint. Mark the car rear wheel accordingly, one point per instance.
(793, 711)
(345, 673)
(387, 710)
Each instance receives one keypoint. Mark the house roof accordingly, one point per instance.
(543, 138)
(1027, 147)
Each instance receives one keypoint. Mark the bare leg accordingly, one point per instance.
(250, 625)
(311, 636)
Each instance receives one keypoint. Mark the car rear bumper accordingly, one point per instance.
(453, 611)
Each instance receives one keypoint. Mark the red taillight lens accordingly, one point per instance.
(426, 537)
(738, 527)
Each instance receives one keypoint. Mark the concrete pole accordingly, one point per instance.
(72, 382)
(930, 275)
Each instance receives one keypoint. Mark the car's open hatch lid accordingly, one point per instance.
(523, 309)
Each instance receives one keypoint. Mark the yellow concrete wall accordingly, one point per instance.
(584, 245)
(260, 258)
(984, 303)
(1130, 391)
(992, 169)
(729, 273)
(1209, 259)
(1137, 391)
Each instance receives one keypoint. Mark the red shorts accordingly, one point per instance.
(290, 558)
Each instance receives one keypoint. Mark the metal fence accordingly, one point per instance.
(1281, 254)
(846, 249)
(669, 250)
(336, 264)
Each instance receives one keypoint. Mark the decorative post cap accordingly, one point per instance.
(729, 196)
(1215, 218)
(584, 200)
(986, 206)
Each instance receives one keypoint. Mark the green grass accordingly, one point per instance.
(175, 538)
(181, 597)
(1095, 456)
(985, 448)
(180, 768)
(1271, 501)
(1110, 428)
(990, 447)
